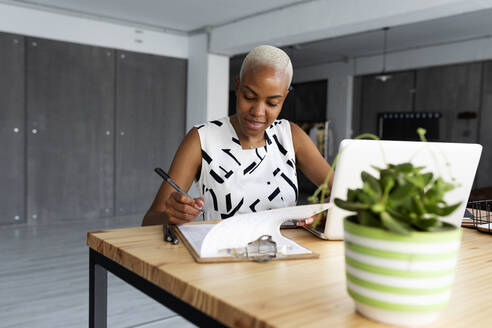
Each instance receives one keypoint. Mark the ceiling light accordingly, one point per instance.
(383, 76)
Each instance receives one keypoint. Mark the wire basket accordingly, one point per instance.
(479, 215)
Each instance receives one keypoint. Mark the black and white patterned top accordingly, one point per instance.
(235, 180)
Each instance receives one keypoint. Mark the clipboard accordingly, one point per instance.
(225, 259)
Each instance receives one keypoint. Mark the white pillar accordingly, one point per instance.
(339, 111)
(207, 87)
(208, 83)
(196, 102)
(218, 87)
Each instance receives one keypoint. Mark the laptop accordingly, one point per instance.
(448, 160)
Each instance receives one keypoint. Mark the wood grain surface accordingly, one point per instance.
(302, 293)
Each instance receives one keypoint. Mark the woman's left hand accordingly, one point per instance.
(307, 221)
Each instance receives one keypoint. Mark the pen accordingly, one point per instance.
(175, 240)
(165, 230)
(169, 235)
(168, 179)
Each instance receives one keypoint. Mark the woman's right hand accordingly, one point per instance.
(183, 209)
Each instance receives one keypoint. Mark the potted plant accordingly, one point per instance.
(399, 257)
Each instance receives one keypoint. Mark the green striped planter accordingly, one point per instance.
(400, 280)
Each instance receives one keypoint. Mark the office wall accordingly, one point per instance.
(451, 90)
(424, 60)
(484, 177)
(394, 95)
(461, 93)
(150, 124)
(98, 121)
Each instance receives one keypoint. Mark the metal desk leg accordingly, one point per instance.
(98, 293)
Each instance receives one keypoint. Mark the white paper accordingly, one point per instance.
(195, 234)
(239, 230)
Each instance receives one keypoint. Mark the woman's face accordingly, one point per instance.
(260, 96)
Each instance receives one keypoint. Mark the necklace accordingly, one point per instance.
(233, 123)
(257, 145)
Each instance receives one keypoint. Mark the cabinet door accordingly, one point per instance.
(393, 95)
(288, 107)
(484, 177)
(12, 132)
(310, 99)
(70, 108)
(150, 119)
(356, 105)
(451, 90)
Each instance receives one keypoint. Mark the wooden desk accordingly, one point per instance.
(298, 293)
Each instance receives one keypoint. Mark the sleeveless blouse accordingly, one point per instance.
(235, 180)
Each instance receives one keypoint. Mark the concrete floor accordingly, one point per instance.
(44, 279)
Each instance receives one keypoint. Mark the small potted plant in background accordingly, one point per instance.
(400, 257)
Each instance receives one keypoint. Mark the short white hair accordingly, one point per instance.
(269, 56)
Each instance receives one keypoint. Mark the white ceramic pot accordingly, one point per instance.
(402, 280)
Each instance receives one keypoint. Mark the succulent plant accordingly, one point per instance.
(401, 200)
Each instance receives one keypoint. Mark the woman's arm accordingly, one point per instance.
(308, 158)
(309, 161)
(169, 205)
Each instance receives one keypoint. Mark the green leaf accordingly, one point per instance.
(388, 182)
(397, 215)
(352, 195)
(442, 211)
(393, 225)
(368, 195)
(426, 224)
(377, 208)
(418, 205)
(365, 198)
(377, 168)
(368, 219)
(442, 186)
(371, 181)
(350, 206)
(404, 167)
(421, 132)
(402, 192)
(427, 178)
(432, 195)
(415, 180)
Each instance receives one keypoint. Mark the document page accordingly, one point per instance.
(209, 239)
(195, 234)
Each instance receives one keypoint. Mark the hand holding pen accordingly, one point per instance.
(180, 207)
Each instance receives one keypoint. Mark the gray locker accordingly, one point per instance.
(150, 124)
(12, 131)
(70, 145)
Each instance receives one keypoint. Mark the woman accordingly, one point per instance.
(246, 162)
